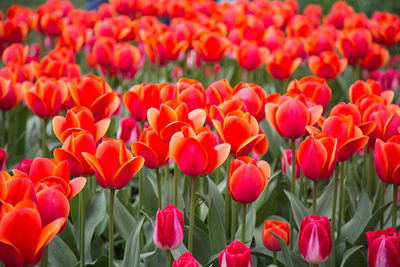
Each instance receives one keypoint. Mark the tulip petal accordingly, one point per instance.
(150, 157)
(312, 157)
(127, 171)
(9, 255)
(77, 186)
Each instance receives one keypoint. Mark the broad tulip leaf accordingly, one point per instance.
(285, 250)
(94, 216)
(149, 192)
(122, 218)
(215, 195)
(348, 254)
(299, 211)
(60, 254)
(215, 229)
(132, 250)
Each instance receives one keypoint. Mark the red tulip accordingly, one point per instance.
(280, 65)
(15, 54)
(171, 117)
(387, 125)
(168, 229)
(10, 94)
(361, 89)
(186, 260)
(385, 28)
(46, 173)
(273, 38)
(387, 160)
(52, 205)
(94, 93)
(316, 90)
(317, 156)
(126, 57)
(51, 23)
(383, 248)
(320, 41)
(355, 45)
(14, 192)
(79, 119)
(240, 130)
(253, 97)
(291, 116)
(24, 166)
(350, 138)
(236, 254)
(197, 154)
(46, 97)
(59, 63)
(128, 131)
(114, 164)
(377, 57)
(23, 236)
(315, 239)
(339, 11)
(101, 53)
(327, 65)
(210, 46)
(71, 151)
(14, 31)
(217, 92)
(247, 179)
(279, 228)
(299, 26)
(150, 146)
(250, 56)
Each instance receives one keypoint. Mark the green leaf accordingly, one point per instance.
(157, 259)
(94, 215)
(124, 221)
(150, 203)
(68, 236)
(215, 195)
(299, 211)
(60, 254)
(285, 250)
(324, 202)
(99, 262)
(353, 228)
(132, 250)
(348, 254)
(215, 229)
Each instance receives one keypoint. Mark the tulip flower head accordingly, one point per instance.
(387, 160)
(315, 239)
(279, 228)
(168, 229)
(186, 260)
(383, 248)
(236, 254)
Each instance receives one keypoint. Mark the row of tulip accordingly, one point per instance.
(215, 136)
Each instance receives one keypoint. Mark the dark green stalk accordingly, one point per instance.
(244, 222)
(44, 137)
(394, 206)
(111, 229)
(168, 258)
(158, 177)
(292, 190)
(140, 191)
(191, 221)
(274, 260)
(314, 206)
(227, 196)
(82, 225)
(45, 258)
(341, 199)
(234, 219)
(176, 182)
(333, 254)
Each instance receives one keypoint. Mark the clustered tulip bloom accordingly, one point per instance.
(315, 239)
(279, 228)
(168, 228)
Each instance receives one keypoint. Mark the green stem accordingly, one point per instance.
(274, 260)
(217, 175)
(314, 202)
(10, 133)
(369, 179)
(394, 206)
(244, 222)
(158, 177)
(191, 221)
(3, 129)
(45, 257)
(333, 255)
(140, 191)
(301, 182)
(176, 181)
(364, 169)
(234, 217)
(44, 136)
(382, 201)
(82, 225)
(168, 258)
(292, 190)
(227, 196)
(111, 229)
(341, 200)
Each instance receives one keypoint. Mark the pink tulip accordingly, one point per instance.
(168, 230)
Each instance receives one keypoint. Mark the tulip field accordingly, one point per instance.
(191, 133)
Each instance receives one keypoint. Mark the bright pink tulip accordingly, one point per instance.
(383, 248)
(186, 260)
(168, 230)
(236, 254)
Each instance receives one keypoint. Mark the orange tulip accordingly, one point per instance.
(350, 138)
(190, 92)
(377, 57)
(211, 46)
(317, 156)
(316, 90)
(327, 65)
(279, 228)
(46, 97)
(253, 97)
(387, 160)
(79, 119)
(126, 57)
(355, 45)
(299, 26)
(169, 119)
(15, 53)
(59, 63)
(51, 23)
(150, 146)
(240, 130)
(46, 173)
(94, 93)
(140, 98)
(114, 164)
(385, 28)
(291, 116)
(71, 151)
(217, 92)
(247, 179)
(101, 53)
(361, 89)
(318, 42)
(250, 56)
(197, 154)
(280, 65)
(339, 11)
(387, 125)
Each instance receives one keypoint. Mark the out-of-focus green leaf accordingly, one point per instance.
(132, 250)
(215, 229)
(353, 228)
(60, 254)
(299, 211)
(348, 254)
(215, 195)
(94, 215)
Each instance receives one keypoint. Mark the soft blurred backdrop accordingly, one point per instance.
(367, 6)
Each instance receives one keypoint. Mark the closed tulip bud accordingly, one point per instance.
(3, 160)
(383, 248)
(387, 160)
(24, 166)
(236, 254)
(168, 229)
(247, 179)
(128, 131)
(279, 228)
(186, 260)
(315, 239)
